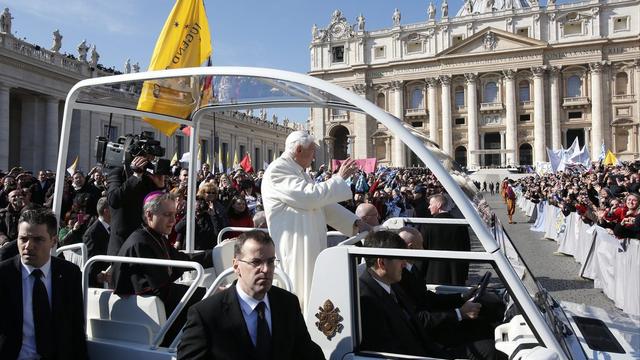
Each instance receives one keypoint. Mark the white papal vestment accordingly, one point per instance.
(297, 211)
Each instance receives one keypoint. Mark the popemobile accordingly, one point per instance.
(534, 325)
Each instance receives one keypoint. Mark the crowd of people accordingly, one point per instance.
(128, 211)
(604, 195)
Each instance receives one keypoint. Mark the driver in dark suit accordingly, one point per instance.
(251, 319)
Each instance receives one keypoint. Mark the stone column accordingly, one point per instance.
(4, 127)
(502, 147)
(51, 133)
(636, 92)
(360, 144)
(432, 104)
(511, 124)
(399, 157)
(328, 143)
(472, 121)
(539, 148)
(556, 140)
(597, 121)
(447, 140)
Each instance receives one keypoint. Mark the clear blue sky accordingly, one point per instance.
(261, 33)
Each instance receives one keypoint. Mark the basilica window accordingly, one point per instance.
(523, 31)
(110, 132)
(460, 121)
(379, 52)
(456, 39)
(574, 86)
(490, 92)
(416, 124)
(622, 82)
(337, 54)
(417, 99)
(414, 47)
(461, 155)
(459, 97)
(525, 117)
(574, 115)
(523, 91)
(381, 101)
(573, 28)
(621, 23)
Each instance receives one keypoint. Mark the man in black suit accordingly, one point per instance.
(388, 321)
(251, 319)
(41, 297)
(97, 240)
(445, 237)
(126, 191)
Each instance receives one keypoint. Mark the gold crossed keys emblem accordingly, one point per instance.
(329, 319)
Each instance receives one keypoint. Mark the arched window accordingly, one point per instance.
(622, 81)
(417, 99)
(461, 156)
(491, 92)
(574, 86)
(523, 91)
(526, 154)
(459, 94)
(381, 101)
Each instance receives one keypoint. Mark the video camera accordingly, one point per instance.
(111, 154)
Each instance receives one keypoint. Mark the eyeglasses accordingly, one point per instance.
(257, 263)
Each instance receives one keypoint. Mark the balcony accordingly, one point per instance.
(415, 112)
(617, 99)
(489, 107)
(576, 101)
(460, 109)
(340, 117)
(528, 104)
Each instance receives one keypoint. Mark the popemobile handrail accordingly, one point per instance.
(71, 247)
(146, 261)
(238, 229)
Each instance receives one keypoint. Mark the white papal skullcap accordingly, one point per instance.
(299, 137)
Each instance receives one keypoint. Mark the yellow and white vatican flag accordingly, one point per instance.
(610, 159)
(185, 41)
(72, 169)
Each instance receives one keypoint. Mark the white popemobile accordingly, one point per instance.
(535, 326)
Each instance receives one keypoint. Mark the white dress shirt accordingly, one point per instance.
(248, 306)
(28, 350)
(104, 224)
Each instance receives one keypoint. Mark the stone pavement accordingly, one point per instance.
(557, 273)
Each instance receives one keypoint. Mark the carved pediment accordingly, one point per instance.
(492, 40)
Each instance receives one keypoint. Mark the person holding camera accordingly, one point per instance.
(125, 194)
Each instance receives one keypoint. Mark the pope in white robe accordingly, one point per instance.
(298, 210)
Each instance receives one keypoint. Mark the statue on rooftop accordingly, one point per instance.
(263, 115)
(5, 21)
(127, 66)
(468, 6)
(57, 41)
(83, 48)
(490, 4)
(336, 16)
(314, 32)
(360, 20)
(396, 17)
(274, 119)
(445, 9)
(136, 67)
(94, 56)
(431, 11)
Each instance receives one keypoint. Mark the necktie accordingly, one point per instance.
(42, 320)
(263, 335)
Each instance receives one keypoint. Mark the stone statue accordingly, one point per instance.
(551, 2)
(127, 66)
(263, 115)
(432, 11)
(94, 56)
(396, 17)
(534, 2)
(314, 32)
(445, 9)
(5, 21)
(57, 41)
(250, 112)
(274, 119)
(136, 67)
(335, 17)
(468, 6)
(82, 50)
(360, 20)
(508, 4)
(490, 4)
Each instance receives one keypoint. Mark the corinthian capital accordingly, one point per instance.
(445, 80)
(509, 74)
(431, 82)
(360, 89)
(538, 71)
(470, 77)
(598, 67)
(554, 70)
(395, 85)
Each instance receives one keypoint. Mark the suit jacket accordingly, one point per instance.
(433, 310)
(390, 326)
(67, 310)
(446, 237)
(97, 240)
(125, 199)
(216, 329)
